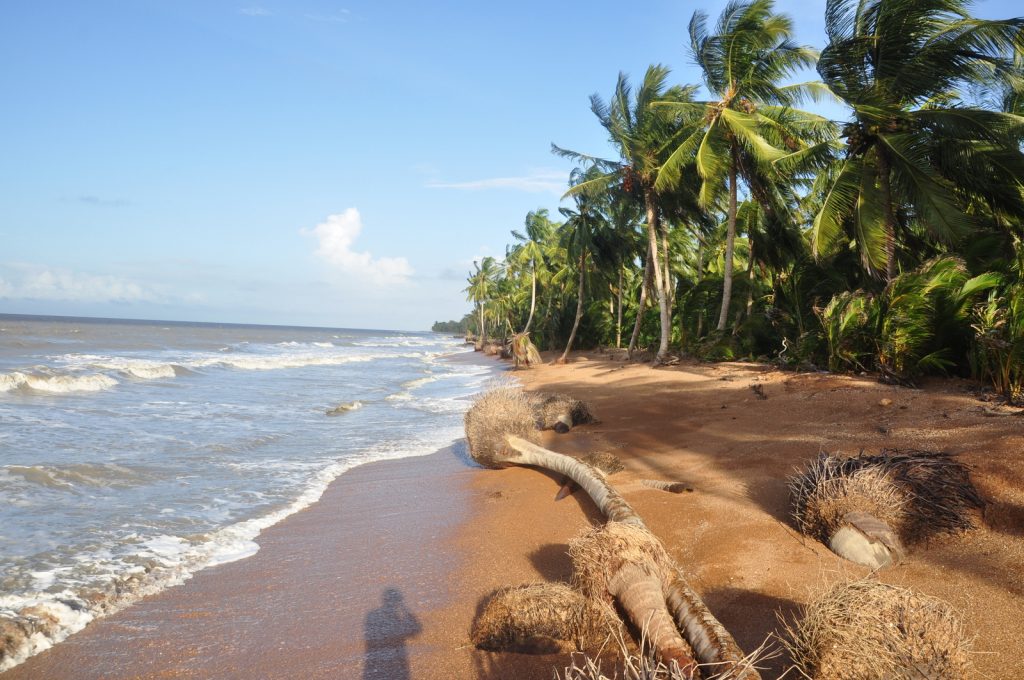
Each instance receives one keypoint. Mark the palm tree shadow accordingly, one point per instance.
(385, 631)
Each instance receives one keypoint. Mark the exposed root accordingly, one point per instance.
(560, 412)
(498, 412)
(864, 630)
(671, 487)
(544, 618)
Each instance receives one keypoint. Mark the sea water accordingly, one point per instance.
(133, 454)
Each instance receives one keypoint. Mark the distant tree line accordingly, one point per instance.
(453, 327)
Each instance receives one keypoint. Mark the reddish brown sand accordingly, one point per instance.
(441, 535)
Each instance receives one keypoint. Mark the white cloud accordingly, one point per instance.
(255, 11)
(544, 181)
(336, 237)
(35, 282)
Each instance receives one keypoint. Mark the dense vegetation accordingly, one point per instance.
(746, 225)
(454, 327)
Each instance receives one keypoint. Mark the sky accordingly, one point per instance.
(301, 162)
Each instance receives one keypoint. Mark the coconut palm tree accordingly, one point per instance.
(481, 285)
(530, 251)
(744, 63)
(914, 151)
(642, 135)
(578, 234)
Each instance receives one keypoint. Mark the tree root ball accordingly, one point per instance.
(917, 493)
(602, 552)
(542, 618)
(560, 412)
(605, 461)
(498, 412)
(864, 630)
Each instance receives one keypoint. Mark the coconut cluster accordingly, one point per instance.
(865, 630)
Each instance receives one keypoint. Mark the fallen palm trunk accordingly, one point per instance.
(671, 487)
(647, 584)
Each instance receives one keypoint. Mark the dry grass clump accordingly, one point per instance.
(601, 553)
(500, 411)
(553, 410)
(543, 618)
(865, 630)
(917, 493)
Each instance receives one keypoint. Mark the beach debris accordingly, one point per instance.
(493, 349)
(885, 402)
(543, 618)
(623, 564)
(561, 413)
(867, 508)
(709, 640)
(864, 630)
(671, 487)
(758, 390)
(524, 352)
(342, 409)
(604, 462)
(500, 411)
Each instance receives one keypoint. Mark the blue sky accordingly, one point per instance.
(302, 162)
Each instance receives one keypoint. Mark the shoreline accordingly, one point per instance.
(445, 534)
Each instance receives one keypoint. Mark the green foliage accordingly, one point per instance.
(998, 353)
(454, 327)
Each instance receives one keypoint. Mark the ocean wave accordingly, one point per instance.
(70, 477)
(54, 383)
(37, 621)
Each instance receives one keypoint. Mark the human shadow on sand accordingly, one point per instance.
(385, 631)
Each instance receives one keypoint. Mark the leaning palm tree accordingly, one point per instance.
(913, 149)
(642, 135)
(743, 63)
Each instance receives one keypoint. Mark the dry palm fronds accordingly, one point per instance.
(524, 351)
(917, 493)
(671, 487)
(543, 618)
(864, 630)
(499, 412)
(560, 412)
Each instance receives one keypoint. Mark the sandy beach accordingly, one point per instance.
(384, 575)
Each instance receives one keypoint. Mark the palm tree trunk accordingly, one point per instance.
(749, 306)
(644, 285)
(533, 297)
(700, 279)
(659, 280)
(889, 218)
(618, 318)
(579, 309)
(730, 242)
(710, 641)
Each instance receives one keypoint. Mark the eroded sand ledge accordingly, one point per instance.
(444, 535)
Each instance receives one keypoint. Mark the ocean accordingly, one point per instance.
(135, 453)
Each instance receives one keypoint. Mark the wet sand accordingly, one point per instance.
(344, 582)
(434, 536)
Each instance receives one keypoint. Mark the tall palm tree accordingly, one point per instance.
(530, 251)
(913, 150)
(578, 235)
(643, 136)
(480, 288)
(744, 63)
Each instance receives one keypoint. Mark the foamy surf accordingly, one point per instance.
(50, 383)
(186, 442)
(34, 623)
